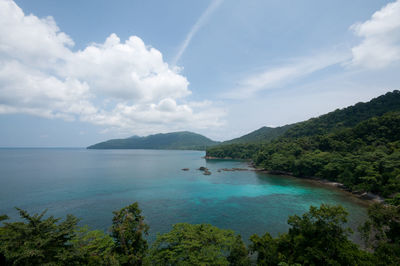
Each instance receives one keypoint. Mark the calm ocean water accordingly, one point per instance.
(92, 183)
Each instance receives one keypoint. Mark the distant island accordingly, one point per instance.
(184, 140)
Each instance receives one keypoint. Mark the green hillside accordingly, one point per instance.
(168, 141)
(336, 120)
(347, 117)
(260, 135)
(358, 146)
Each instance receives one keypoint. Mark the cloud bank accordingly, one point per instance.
(121, 85)
(380, 46)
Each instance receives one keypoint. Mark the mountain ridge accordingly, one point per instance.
(263, 134)
(181, 140)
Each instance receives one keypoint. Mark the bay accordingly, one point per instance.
(90, 184)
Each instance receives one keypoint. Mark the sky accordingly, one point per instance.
(73, 73)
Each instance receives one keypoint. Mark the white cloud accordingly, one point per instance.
(37, 42)
(127, 70)
(121, 85)
(27, 90)
(279, 76)
(199, 23)
(381, 38)
(164, 116)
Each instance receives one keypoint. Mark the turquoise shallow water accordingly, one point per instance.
(92, 183)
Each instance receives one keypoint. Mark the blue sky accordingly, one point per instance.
(73, 73)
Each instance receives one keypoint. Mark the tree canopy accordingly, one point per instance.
(318, 237)
(128, 230)
(38, 241)
(382, 233)
(198, 244)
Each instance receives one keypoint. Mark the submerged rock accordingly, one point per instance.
(185, 169)
(206, 172)
(202, 168)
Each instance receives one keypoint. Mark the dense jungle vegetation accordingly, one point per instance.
(358, 146)
(318, 237)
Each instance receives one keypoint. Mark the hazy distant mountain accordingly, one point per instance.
(169, 141)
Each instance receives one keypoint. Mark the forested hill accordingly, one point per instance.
(347, 117)
(169, 141)
(260, 135)
(358, 146)
(336, 120)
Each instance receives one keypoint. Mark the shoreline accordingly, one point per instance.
(366, 197)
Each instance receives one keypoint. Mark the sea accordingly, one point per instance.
(91, 184)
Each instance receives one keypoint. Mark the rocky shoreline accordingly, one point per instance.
(365, 196)
(218, 158)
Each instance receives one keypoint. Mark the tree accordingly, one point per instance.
(382, 233)
(395, 201)
(318, 237)
(2, 257)
(38, 241)
(94, 247)
(128, 230)
(201, 244)
(266, 248)
(239, 254)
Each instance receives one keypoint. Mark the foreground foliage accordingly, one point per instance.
(382, 233)
(128, 229)
(201, 244)
(38, 241)
(94, 247)
(318, 237)
(48, 241)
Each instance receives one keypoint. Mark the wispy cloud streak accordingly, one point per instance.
(199, 23)
(279, 76)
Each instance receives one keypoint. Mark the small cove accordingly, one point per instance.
(92, 183)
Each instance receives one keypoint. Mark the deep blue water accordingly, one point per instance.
(92, 183)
